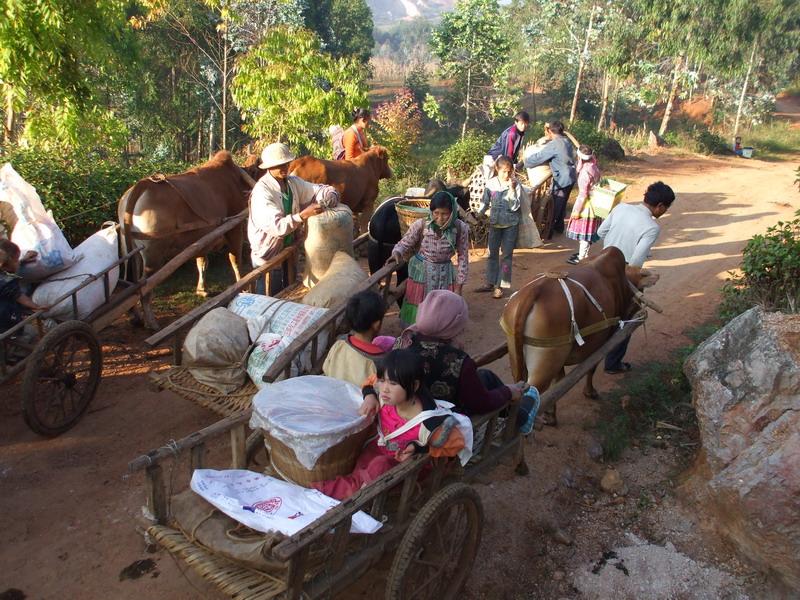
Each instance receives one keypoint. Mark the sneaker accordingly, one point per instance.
(573, 260)
(528, 407)
(497, 293)
(486, 287)
(622, 368)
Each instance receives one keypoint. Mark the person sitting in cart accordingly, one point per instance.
(280, 204)
(508, 144)
(14, 305)
(353, 357)
(450, 373)
(409, 422)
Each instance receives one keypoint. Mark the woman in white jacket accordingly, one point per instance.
(279, 206)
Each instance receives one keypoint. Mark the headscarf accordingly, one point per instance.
(442, 315)
(449, 230)
(591, 168)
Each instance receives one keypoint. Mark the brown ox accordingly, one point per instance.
(356, 179)
(538, 325)
(166, 215)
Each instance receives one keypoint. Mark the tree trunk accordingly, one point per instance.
(581, 65)
(199, 135)
(8, 121)
(673, 93)
(601, 122)
(466, 103)
(211, 134)
(224, 116)
(744, 87)
(533, 94)
(613, 116)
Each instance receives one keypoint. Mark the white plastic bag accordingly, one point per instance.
(309, 414)
(265, 315)
(99, 251)
(267, 504)
(268, 348)
(215, 348)
(35, 229)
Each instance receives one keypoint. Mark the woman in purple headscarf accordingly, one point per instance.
(450, 374)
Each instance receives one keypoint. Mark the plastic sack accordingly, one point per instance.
(309, 414)
(99, 252)
(266, 351)
(339, 281)
(214, 350)
(267, 504)
(527, 234)
(327, 233)
(35, 229)
(266, 315)
(537, 175)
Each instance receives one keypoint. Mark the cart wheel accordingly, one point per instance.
(543, 215)
(479, 233)
(61, 378)
(437, 551)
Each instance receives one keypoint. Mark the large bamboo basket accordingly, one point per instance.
(410, 210)
(336, 460)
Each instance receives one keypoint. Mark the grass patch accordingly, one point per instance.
(176, 296)
(653, 404)
(775, 140)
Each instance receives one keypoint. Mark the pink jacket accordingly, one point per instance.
(588, 176)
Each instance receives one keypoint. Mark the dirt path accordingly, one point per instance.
(68, 512)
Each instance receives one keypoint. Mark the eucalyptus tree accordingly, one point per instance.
(473, 45)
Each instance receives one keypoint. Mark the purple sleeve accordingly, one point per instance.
(473, 398)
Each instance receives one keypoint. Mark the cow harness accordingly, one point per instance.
(577, 333)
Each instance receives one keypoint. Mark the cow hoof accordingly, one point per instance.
(201, 293)
(545, 420)
(593, 395)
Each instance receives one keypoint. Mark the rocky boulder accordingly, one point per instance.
(746, 391)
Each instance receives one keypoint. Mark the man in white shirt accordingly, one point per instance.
(633, 229)
(279, 206)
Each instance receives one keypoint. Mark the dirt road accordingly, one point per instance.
(68, 511)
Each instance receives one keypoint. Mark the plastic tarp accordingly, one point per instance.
(310, 414)
(267, 504)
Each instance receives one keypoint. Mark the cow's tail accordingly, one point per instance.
(513, 324)
(134, 269)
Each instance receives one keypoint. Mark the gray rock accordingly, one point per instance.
(746, 391)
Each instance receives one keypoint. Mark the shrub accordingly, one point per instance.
(604, 145)
(400, 126)
(460, 159)
(697, 139)
(82, 190)
(770, 272)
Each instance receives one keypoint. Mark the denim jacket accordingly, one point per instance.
(504, 203)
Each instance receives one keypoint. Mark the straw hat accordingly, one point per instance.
(275, 155)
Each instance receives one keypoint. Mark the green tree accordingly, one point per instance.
(343, 26)
(53, 52)
(472, 46)
(288, 89)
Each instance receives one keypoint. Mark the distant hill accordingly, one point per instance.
(385, 12)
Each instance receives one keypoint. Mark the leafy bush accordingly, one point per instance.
(770, 272)
(82, 190)
(399, 128)
(460, 159)
(603, 145)
(698, 139)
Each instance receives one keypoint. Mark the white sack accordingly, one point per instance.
(528, 234)
(339, 281)
(99, 252)
(537, 175)
(267, 504)
(35, 229)
(327, 233)
(214, 350)
(266, 315)
(310, 414)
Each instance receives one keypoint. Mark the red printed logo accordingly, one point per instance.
(270, 506)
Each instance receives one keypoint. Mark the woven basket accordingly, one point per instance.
(410, 210)
(336, 460)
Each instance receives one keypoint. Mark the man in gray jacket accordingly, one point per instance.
(560, 153)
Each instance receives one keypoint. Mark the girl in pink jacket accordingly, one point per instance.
(583, 223)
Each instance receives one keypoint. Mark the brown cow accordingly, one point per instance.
(356, 179)
(539, 328)
(166, 215)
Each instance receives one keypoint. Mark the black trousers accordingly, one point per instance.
(560, 197)
(614, 358)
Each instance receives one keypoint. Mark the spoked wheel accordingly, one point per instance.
(479, 232)
(437, 551)
(61, 378)
(542, 210)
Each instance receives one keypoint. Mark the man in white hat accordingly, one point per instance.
(279, 206)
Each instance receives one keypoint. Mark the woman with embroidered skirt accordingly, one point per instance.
(429, 246)
(583, 222)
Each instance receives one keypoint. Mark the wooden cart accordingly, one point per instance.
(62, 367)
(317, 339)
(431, 525)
